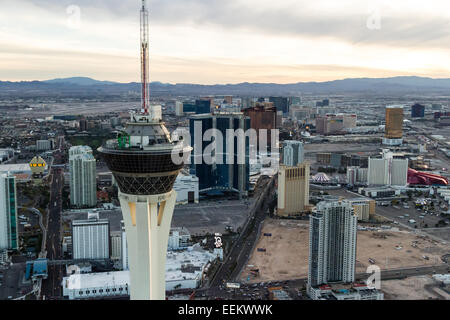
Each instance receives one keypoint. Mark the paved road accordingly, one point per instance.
(51, 288)
(259, 290)
(239, 254)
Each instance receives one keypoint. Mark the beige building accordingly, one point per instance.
(293, 190)
(335, 123)
(394, 125)
(363, 208)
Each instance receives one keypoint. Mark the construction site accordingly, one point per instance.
(283, 249)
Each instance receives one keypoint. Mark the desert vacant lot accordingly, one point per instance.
(413, 288)
(287, 251)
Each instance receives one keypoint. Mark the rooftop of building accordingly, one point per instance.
(90, 222)
(15, 168)
(40, 267)
(97, 280)
(185, 265)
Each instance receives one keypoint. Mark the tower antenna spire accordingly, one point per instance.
(145, 93)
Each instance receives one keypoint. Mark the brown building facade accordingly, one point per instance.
(262, 116)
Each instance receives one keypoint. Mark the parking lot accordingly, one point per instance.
(208, 216)
(212, 216)
(411, 216)
(11, 282)
(27, 217)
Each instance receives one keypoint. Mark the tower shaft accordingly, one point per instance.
(147, 225)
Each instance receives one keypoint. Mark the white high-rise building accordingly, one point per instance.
(387, 170)
(116, 246)
(293, 153)
(332, 243)
(83, 183)
(125, 265)
(90, 239)
(179, 108)
(356, 175)
(9, 238)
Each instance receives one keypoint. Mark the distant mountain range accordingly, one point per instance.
(82, 81)
(89, 87)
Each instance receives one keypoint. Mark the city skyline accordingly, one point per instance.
(243, 172)
(232, 42)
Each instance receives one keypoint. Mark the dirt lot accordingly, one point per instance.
(288, 249)
(413, 288)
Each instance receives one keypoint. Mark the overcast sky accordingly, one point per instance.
(225, 41)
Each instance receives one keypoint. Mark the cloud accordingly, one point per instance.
(404, 23)
(214, 41)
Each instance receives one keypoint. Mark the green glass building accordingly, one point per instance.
(9, 238)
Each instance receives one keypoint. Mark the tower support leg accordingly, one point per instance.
(147, 225)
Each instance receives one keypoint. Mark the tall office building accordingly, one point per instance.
(281, 103)
(179, 108)
(83, 124)
(145, 163)
(221, 174)
(9, 237)
(203, 106)
(295, 101)
(189, 107)
(387, 170)
(263, 116)
(83, 180)
(90, 238)
(116, 246)
(332, 244)
(293, 153)
(293, 190)
(394, 126)
(417, 111)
